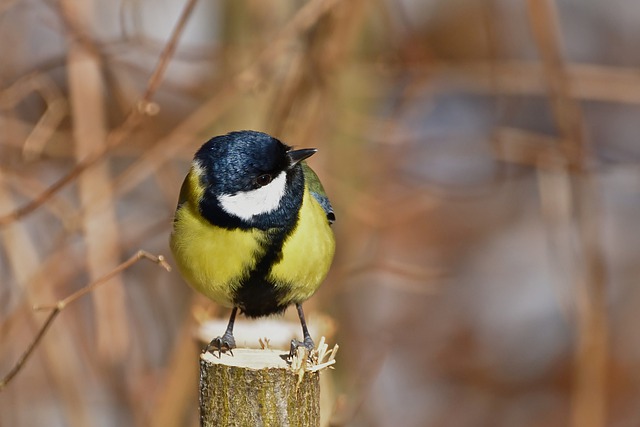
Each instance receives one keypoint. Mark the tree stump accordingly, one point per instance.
(256, 388)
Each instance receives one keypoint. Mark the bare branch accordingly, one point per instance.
(57, 307)
(118, 135)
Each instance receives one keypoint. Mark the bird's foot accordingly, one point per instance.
(223, 343)
(307, 343)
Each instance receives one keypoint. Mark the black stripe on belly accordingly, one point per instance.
(257, 296)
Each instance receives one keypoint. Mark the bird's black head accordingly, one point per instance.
(250, 179)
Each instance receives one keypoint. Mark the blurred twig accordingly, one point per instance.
(101, 234)
(568, 115)
(143, 108)
(60, 305)
(55, 111)
(168, 147)
(246, 79)
(30, 186)
(591, 354)
(591, 82)
(174, 397)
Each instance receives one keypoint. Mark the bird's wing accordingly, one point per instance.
(184, 192)
(317, 191)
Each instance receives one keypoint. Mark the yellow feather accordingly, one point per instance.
(306, 254)
(213, 260)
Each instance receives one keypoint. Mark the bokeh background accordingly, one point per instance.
(481, 155)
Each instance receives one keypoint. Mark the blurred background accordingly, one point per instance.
(481, 157)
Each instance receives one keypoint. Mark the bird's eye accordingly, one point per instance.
(263, 180)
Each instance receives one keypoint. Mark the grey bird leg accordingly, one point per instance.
(226, 341)
(307, 341)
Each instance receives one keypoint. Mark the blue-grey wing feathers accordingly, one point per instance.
(317, 191)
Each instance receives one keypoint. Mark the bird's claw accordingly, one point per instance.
(307, 343)
(223, 343)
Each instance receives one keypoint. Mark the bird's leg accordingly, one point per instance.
(307, 341)
(226, 341)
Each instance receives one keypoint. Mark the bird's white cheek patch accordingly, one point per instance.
(248, 204)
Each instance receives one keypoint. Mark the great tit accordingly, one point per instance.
(252, 229)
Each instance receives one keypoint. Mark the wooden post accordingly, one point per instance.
(256, 388)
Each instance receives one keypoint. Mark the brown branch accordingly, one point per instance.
(543, 17)
(23, 359)
(60, 305)
(143, 108)
(590, 376)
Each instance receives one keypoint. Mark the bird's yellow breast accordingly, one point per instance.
(217, 261)
(306, 254)
(213, 260)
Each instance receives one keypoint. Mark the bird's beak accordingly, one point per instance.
(296, 156)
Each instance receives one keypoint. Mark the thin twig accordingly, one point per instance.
(23, 359)
(143, 108)
(60, 305)
(167, 53)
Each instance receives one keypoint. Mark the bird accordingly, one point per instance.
(252, 229)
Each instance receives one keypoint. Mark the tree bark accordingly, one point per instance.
(256, 388)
